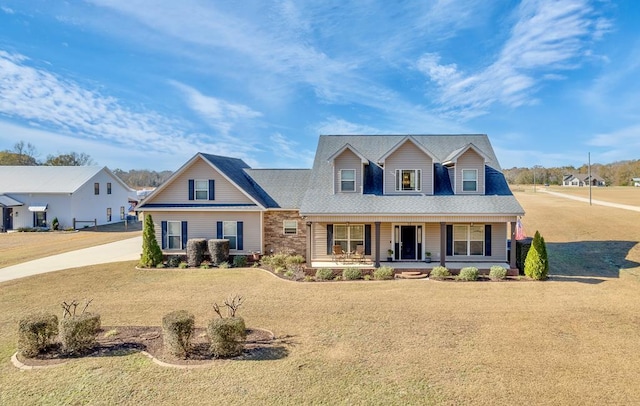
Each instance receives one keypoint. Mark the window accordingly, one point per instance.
(121, 212)
(174, 235)
(468, 240)
(290, 226)
(469, 180)
(230, 232)
(108, 188)
(348, 236)
(96, 188)
(39, 218)
(202, 189)
(408, 180)
(348, 180)
(108, 213)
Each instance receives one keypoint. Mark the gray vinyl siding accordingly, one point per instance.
(433, 240)
(408, 156)
(203, 225)
(178, 190)
(347, 160)
(470, 160)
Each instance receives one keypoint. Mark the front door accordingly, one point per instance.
(7, 218)
(408, 243)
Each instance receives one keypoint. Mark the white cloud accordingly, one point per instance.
(339, 126)
(7, 10)
(548, 36)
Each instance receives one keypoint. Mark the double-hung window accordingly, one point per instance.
(108, 188)
(96, 188)
(201, 189)
(468, 239)
(230, 232)
(108, 213)
(408, 180)
(174, 235)
(348, 180)
(469, 180)
(348, 236)
(290, 227)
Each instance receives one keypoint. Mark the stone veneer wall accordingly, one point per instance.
(276, 240)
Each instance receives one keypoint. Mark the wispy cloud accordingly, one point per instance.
(339, 126)
(287, 152)
(548, 36)
(7, 10)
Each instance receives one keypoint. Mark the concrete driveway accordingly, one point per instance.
(124, 250)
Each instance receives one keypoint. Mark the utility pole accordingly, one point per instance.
(590, 181)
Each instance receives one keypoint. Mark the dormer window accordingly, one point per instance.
(348, 180)
(469, 180)
(408, 180)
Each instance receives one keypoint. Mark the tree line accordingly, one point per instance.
(614, 174)
(26, 154)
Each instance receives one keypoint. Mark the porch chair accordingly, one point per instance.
(337, 254)
(358, 256)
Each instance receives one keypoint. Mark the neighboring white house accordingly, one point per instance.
(582, 180)
(636, 182)
(32, 196)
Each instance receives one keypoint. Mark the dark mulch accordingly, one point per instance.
(124, 340)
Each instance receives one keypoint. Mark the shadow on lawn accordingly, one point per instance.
(585, 261)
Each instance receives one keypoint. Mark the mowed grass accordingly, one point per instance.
(19, 247)
(570, 340)
(615, 194)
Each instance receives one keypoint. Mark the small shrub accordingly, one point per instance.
(278, 270)
(439, 272)
(55, 224)
(219, 251)
(78, 333)
(497, 272)
(173, 261)
(308, 278)
(160, 265)
(183, 265)
(384, 272)
(367, 277)
(224, 265)
(468, 273)
(351, 274)
(337, 278)
(227, 336)
(290, 273)
(278, 260)
(36, 333)
(239, 261)
(177, 330)
(204, 266)
(324, 274)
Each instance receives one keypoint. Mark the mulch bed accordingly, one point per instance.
(113, 341)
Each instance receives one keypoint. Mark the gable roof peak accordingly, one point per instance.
(408, 138)
(352, 149)
(453, 156)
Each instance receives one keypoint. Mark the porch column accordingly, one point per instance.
(309, 224)
(512, 261)
(443, 243)
(377, 230)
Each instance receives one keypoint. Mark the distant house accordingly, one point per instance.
(32, 196)
(582, 180)
(636, 182)
(410, 195)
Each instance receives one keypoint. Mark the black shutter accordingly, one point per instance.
(449, 239)
(329, 239)
(219, 230)
(212, 189)
(164, 234)
(367, 239)
(487, 240)
(184, 235)
(192, 189)
(240, 235)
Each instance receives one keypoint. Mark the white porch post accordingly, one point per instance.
(443, 243)
(309, 239)
(512, 260)
(377, 231)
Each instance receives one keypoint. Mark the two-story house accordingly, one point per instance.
(443, 194)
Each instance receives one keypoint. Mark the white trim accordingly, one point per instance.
(462, 171)
(284, 227)
(468, 240)
(195, 189)
(346, 146)
(355, 172)
(398, 182)
(235, 235)
(180, 247)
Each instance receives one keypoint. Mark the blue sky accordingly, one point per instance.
(147, 84)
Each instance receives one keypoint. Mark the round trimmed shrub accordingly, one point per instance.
(497, 272)
(468, 273)
(219, 251)
(227, 336)
(36, 333)
(196, 250)
(351, 274)
(78, 333)
(439, 272)
(324, 274)
(177, 330)
(384, 272)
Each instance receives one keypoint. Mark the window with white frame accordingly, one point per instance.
(174, 235)
(348, 180)
(468, 239)
(121, 212)
(469, 180)
(230, 232)
(348, 236)
(408, 180)
(290, 226)
(108, 213)
(201, 189)
(108, 188)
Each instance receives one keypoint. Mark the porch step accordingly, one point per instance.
(411, 275)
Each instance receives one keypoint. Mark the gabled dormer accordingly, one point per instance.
(348, 169)
(408, 168)
(467, 170)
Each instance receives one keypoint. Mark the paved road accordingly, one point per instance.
(598, 202)
(124, 250)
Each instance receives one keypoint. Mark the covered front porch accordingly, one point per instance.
(423, 267)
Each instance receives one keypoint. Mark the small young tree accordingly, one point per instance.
(536, 266)
(151, 252)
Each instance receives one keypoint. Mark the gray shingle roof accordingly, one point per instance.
(285, 187)
(320, 199)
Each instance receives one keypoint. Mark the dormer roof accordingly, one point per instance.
(406, 139)
(352, 149)
(452, 158)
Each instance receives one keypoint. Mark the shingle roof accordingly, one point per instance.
(320, 199)
(45, 179)
(284, 187)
